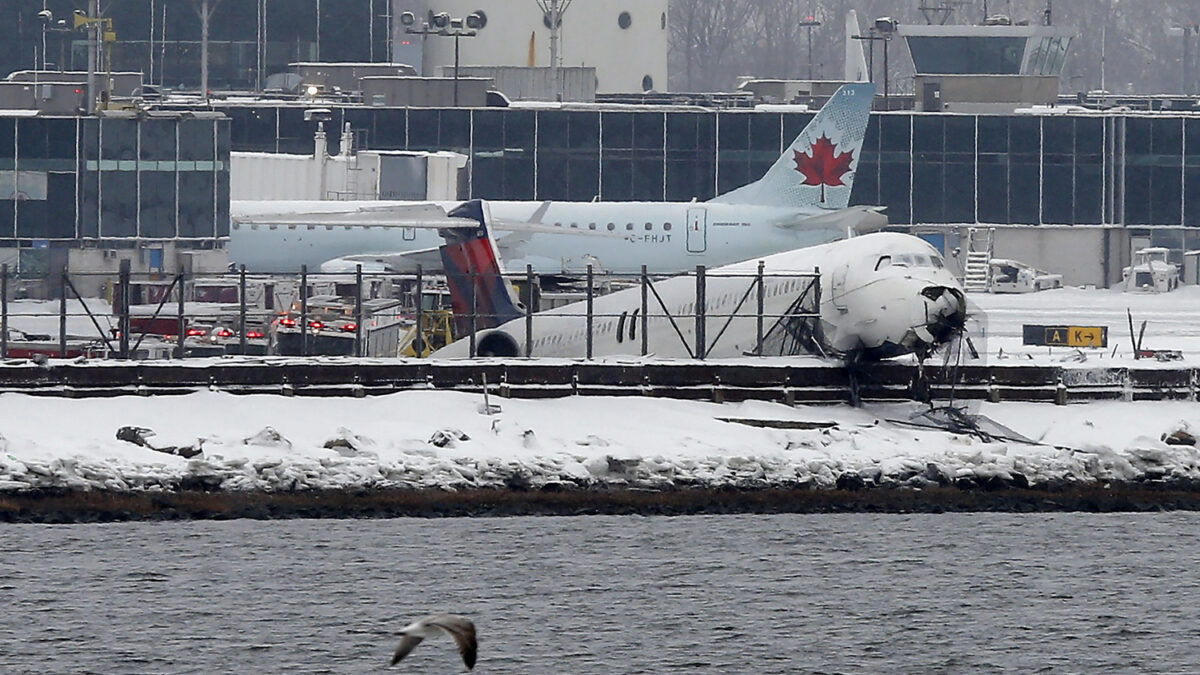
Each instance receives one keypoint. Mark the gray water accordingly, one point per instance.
(952, 593)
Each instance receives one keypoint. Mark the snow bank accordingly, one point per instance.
(434, 439)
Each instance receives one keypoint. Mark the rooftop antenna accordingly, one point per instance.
(939, 10)
(553, 12)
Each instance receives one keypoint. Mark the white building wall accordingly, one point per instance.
(590, 36)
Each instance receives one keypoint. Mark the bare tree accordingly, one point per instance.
(706, 37)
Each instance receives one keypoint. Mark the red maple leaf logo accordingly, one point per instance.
(822, 168)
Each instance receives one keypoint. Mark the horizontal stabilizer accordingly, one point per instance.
(852, 220)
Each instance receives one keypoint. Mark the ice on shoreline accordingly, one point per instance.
(437, 439)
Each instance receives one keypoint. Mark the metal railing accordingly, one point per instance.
(694, 322)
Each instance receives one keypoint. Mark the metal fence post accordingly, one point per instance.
(241, 309)
(528, 310)
(181, 317)
(419, 337)
(645, 308)
(817, 293)
(758, 330)
(358, 310)
(124, 323)
(590, 316)
(700, 300)
(304, 310)
(474, 309)
(62, 315)
(4, 312)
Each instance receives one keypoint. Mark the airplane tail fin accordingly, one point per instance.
(473, 274)
(856, 60)
(817, 169)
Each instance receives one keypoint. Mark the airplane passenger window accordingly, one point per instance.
(612, 226)
(884, 261)
(628, 226)
(649, 226)
(591, 226)
(558, 224)
(666, 227)
(575, 226)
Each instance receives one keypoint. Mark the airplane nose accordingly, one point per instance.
(946, 313)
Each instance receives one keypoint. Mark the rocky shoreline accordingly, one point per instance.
(91, 506)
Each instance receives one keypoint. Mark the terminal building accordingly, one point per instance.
(1046, 178)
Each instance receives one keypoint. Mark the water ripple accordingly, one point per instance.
(946, 593)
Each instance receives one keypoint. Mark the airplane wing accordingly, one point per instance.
(430, 260)
(423, 216)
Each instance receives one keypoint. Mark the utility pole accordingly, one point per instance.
(810, 23)
(94, 12)
(205, 10)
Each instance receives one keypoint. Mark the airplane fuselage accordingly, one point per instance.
(617, 237)
(881, 295)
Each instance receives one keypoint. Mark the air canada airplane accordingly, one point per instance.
(802, 200)
(881, 295)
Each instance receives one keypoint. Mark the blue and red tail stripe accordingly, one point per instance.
(473, 273)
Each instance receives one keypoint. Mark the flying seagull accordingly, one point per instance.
(458, 627)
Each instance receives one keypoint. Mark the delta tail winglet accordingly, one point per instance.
(473, 272)
(818, 167)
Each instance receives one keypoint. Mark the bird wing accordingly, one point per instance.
(463, 632)
(407, 643)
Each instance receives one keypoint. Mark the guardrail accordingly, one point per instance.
(807, 382)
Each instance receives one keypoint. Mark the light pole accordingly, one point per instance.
(886, 26)
(443, 25)
(810, 23)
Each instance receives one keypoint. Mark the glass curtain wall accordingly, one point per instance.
(925, 168)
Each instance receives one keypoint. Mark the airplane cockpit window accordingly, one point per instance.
(937, 261)
(883, 262)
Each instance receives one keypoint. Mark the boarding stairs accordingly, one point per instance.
(977, 270)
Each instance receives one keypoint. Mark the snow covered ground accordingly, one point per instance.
(276, 443)
(426, 439)
(1172, 322)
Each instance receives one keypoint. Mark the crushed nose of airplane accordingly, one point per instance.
(946, 316)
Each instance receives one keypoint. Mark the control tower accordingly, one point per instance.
(994, 67)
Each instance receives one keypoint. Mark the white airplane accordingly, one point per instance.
(801, 200)
(881, 295)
